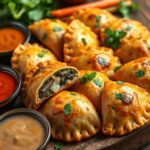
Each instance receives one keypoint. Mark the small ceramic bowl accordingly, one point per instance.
(6, 55)
(35, 115)
(18, 26)
(10, 100)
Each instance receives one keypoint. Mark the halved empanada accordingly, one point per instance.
(99, 59)
(29, 55)
(78, 39)
(125, 107)
(136, 42)
(72, 116)
(91, 84)
(51, 34)
(45, 80)
(136, 72)
(94, 18)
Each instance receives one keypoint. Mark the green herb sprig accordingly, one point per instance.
(113, 38)
(125, 10)
(87, 77)
(26, 11)
(67, 109)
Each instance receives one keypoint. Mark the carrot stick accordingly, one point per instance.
(98, 4)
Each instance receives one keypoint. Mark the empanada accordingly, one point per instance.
(91, 84)
(45, 80)
(134, 48)
(134, 44)
(136, 72)
(72, 116)
(78, 39)
(99, 59)
(29, 55)
(125, 107)
(51, 34)
(94, 18)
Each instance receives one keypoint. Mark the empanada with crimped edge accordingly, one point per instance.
(29, 55)
(91, 88)
(78, 39)
(134, 49)
(51, 33)
(136, 72)
(125, 107)
(135, 44)
(80, 122)
(45, 80)
(94, 18)
(99, 59)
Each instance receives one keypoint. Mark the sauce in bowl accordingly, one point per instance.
(8, 85)
(21, 132)
(10, 38)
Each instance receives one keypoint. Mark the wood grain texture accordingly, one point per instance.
(132, 141)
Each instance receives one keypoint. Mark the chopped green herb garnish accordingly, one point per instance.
(97, 82)
(84, 41)
(58, 145)
(128, 28)
(125, 10)
(57, 29)
(72, 93)
(148, 47)
(87, 77)
(42, 54)
(67, 109)
(117, 68)
(120, 82)
(44, 36)
(97, 18)
(113, 38)
(139, 73)
(119, 96)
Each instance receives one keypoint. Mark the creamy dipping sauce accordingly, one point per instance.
(21, 133)
(10, 38)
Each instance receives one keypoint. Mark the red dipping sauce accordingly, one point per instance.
(8, 85)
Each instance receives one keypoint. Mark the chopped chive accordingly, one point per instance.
(139, 73)
(117, 68)
(42, 54)
(119, 96)
(72, 93)
(57, 29)
(87, 77)
(120, 82)
(128, 28)
(97, 82)
(44, 36)
(67, 109)
(84, 41)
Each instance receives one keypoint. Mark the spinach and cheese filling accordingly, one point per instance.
(56, 82)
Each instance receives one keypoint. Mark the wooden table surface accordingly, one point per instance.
(140, 139)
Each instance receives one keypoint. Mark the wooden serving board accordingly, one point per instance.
(133, 141)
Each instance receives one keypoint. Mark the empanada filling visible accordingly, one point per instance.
(56, 82)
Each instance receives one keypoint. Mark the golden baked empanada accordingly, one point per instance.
(94, 18)
(72, 116)
(51, 34)
(78, 39)
(125, 107)
(131, 39)
(99, 59)
(29, 55)
(91, 84)
(136, 72)
(45, 80)
(134, 48)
